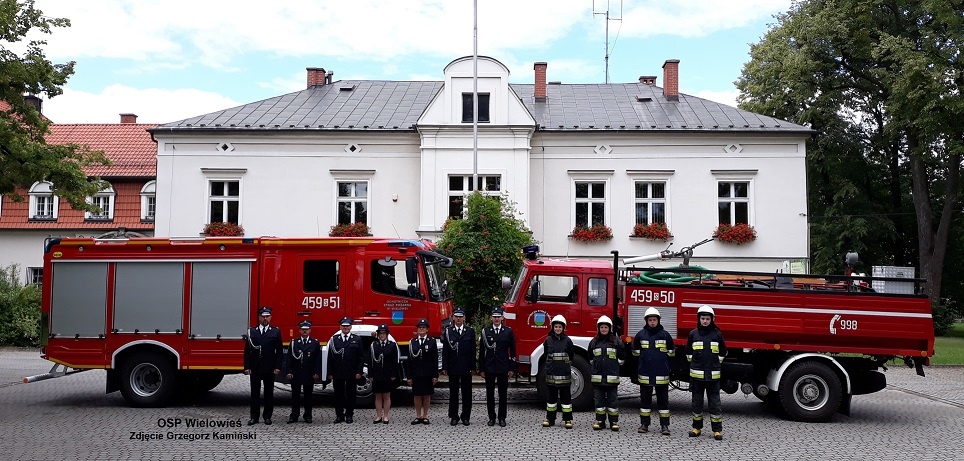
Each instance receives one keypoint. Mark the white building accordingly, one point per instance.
(398, 155)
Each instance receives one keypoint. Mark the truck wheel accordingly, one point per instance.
(364, 397)
(208, 380)
(810, 392)
(581, 387)
(147, 380)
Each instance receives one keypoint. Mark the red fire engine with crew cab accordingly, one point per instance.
(805, 342)
(163, 314)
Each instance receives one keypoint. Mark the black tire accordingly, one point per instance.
(208, 380)
(148, 380)
(810, 392)
(581, 384)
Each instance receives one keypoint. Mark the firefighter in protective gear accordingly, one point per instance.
(705, 350)
(653, 346)
(607, 354)
(558, 350)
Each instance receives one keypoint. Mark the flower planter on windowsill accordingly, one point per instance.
(350, 230)
(656, 231)
(222, 229)
(596, 233)
(736, 234)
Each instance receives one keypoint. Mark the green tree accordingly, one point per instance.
(24, 155)
(881, 79)
(486, 246)
(19, 309)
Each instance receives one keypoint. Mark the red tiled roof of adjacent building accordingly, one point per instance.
(128, 145)
(127, 212)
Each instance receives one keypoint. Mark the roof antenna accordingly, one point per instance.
(608, 18)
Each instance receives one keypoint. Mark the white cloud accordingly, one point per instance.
(150, 105)
(722, 97)
(693, 18)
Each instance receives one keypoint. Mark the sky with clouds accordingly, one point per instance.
(166, 60)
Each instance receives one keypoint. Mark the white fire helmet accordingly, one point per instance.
(651, 312)
(559, 319)
(604, 320)
(705, 309)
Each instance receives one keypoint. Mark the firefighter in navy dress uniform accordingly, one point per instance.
(497, 364)
(304, 364)
(383, 370)
(705, 351)
(422, 371)
(262, 361)
(345, 363)
(653, 346)
(607, 354)
(558, 350)
(458, 363)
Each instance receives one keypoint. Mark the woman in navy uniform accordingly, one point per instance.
(497, 364)
(262, 361)
(705, 351)
(304, 364)
(458, 363)
(383, 371)
(607, 354)
(344, 370)
(422, 371)
(653, 346)
(558, 350)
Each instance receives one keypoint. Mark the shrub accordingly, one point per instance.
(358, 229)
(654, 231)
(739, 233)
(944, 316)
(222, 229)
(19, 309)
(596, 233)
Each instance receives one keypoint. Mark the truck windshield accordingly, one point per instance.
(438, 286)
(514, 292)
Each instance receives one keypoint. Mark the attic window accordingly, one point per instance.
(353, 148)
(225, 147)
(347, 88)
(641, 98)
(467, 107)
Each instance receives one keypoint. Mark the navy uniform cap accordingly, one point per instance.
(459, 312)
(497, 312)
(381, 328)
(264, 311)
(305, 324)
(422, 323)
(345, 321)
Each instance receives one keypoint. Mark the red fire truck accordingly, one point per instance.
(165, 314)
(803, 343)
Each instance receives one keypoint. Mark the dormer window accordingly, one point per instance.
(105, 201)
(467, 107)
(148, 201)
(43, 202)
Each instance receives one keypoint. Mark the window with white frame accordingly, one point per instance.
(35, 275)
(467, 108)
(650, 202)
(590, 203)
(224, 200)
(461, 186)
(148, 201)
(103, 200)
(353, 202)
(43, 202)
(734, 202)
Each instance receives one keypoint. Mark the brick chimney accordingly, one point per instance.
(647, 80)
(316, 76)
(34, 101)
(540, 88)
(128, 118)
(671, 79)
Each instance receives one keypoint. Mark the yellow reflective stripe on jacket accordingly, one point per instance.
(697, 345)
(714, 347)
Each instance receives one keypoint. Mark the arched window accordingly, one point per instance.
(105, 201)
(148, 201)
(43, 202)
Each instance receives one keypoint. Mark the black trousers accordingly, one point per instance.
(646, 404)
(257, 379)
(490, 383)
(345, 391)
(712, 390)
(297, 390)
(459, 383)
(557, 395)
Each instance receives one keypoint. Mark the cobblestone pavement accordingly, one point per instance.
(72, 418)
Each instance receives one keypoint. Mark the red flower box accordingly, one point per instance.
(222, 229)
(739, 233)
(654, 231)
(596, 233)
(358, 229)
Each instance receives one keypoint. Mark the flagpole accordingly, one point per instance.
(475, 95)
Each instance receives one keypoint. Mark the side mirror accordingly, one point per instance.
(506, 283)
(533, 296)
(411, 270)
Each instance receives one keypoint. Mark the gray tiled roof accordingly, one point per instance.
(397, 105)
